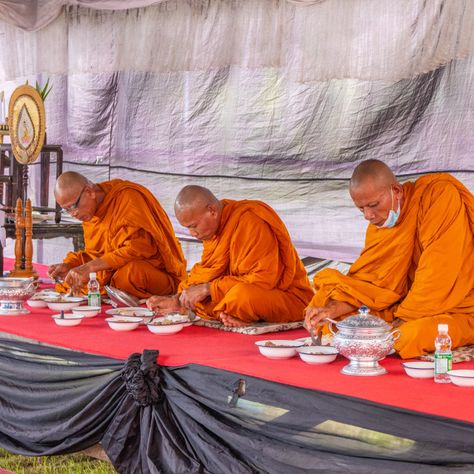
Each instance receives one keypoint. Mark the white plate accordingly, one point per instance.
(130, 311)
(36, 303)
(166, 329)
(68, 320)
(65, 304)
(317, 354)
(280, 349)
(123, 323)
(419, 369)
(463, 378)
(86, 311)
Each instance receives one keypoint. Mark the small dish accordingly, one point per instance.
(87, 311)
(69, 319)
(462, 377)
(64, 304)
(123, 323)
(166, 325)
(317, 354)
(278, 349)
(36, 303)
(419, 369)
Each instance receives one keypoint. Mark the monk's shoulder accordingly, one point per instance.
(440, 191)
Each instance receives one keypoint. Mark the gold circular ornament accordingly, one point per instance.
(26, 121)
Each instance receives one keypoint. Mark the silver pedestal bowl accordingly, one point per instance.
(13, 293)
(364, 340)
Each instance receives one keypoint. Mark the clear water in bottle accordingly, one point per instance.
(93, 290)
(443, 355)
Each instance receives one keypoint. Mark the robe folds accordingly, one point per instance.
(421, 271)
(132, 233)
(253, 268)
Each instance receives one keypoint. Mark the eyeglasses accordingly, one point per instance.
(74, 206)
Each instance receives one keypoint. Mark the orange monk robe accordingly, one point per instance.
(253, 267)
(421, 270)
(132, 233)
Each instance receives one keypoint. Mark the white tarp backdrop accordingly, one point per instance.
(275, 100)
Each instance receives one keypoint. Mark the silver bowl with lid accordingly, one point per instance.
(13, 293)
(364, 339)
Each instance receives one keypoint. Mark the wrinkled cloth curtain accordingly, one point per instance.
(196, 419)
(271, 99)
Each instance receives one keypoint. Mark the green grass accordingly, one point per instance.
(65, 464)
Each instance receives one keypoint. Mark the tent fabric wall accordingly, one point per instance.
(271, 100)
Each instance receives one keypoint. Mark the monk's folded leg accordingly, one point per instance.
(251, 303)
(143, 280)
(417, 336)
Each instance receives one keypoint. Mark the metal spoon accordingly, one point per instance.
(316, 340)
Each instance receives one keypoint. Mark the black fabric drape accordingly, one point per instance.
(196, 419)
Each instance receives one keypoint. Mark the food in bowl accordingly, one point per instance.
(121, 323)
(419, 369)
(317, 354)
(64, 303)
(279, 349)
(68, 319)
(87, 311)
(165, 326)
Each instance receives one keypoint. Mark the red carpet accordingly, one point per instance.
(238, 353)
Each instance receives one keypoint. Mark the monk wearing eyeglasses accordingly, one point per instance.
(129, 239)
(249, 270)
(417, 267)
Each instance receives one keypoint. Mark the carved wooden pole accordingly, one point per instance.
(28, 237)
(18, 234)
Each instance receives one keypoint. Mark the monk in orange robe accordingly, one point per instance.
(249, 270)
(417, 267)
(129, 240)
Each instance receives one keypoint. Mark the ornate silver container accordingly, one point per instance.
(364, 339)
(13, 292)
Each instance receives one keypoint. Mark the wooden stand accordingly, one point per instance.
(23, 241)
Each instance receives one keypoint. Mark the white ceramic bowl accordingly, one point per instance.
(317, 354)
(87, 311)
(278, 349)
(419, 369)
(68, 320)
(462, 377)
(65, 304)
(123, 323)
(166, 326)
(36, 303)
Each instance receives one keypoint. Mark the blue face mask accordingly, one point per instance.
(393, 216)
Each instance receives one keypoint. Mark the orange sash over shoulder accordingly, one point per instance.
(216, 256)
(120, 211)
(423, 266)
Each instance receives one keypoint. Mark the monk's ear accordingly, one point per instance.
(212, 209)
(397, 190)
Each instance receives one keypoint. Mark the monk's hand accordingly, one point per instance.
(77, 277)
(163, 304)
(58, 271)
(314, 316)
(194, 294)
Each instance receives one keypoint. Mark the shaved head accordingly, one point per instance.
(198, 210)
(194, 197)
(70, 183)
(375, 171)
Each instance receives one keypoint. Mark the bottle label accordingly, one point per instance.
(93, 299)
(442, 363)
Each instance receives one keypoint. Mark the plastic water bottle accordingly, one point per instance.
(93, 290)
(443, 356)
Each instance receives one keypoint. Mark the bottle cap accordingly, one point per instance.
(442, 327)
(92, 275)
